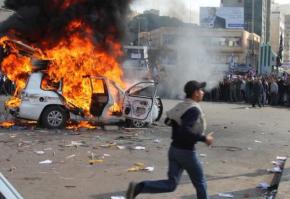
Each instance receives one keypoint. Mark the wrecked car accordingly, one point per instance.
(42, 100)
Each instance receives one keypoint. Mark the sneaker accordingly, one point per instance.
(131, 190)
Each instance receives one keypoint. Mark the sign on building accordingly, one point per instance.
(222, 17)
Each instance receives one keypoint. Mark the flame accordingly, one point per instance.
(115, 109)
(81, 124)
(72, 60)
(15, 66)
(7, 124)
(13, 102)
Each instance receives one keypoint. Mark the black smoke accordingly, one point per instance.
(42, 23)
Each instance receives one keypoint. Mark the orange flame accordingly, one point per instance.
(13, 102)
(7, 124)
(72, 59)
(82, 124)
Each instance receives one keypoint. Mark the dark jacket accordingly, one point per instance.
(183, 136)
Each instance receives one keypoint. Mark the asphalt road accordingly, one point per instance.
(246, 141)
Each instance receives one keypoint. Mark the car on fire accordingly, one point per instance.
(43, 101)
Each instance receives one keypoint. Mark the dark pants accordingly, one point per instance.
(179, 160)
(256, 99)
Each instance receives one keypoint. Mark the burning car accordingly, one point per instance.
(101, 101)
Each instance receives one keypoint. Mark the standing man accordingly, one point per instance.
(188, 126)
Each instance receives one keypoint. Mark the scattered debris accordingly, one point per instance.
(156, 141)
(75, 144)
(91, 162)
(263, 186)
(150, 169)
(7, 124)
(276, 169)
(39, 152)
(110, 145)
(139, 148)
(45, 162)
(70, 186)
(226, 195)
(258, 141)
(278, 163)
(70, 156)
(121, 147)
(140, 167)
(202, 155)
(12, 169)
(281, 158)
(118, 197)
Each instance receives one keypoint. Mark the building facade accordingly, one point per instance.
(232, 3)
(225, 45)
(256, 15)
(277, 29)
(286, 51)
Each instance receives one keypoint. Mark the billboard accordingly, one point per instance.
(222, 17)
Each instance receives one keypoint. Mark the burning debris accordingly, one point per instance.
(7, 124)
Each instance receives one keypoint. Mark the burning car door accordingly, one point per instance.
(139, 102)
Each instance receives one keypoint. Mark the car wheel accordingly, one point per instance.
(136, 123)
(160, 108)
(54, 117)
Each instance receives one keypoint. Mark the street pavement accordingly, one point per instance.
(246, 141)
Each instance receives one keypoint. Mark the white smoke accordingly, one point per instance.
(195, 62)
(179, 9)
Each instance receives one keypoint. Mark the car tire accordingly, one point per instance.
(136, 123)
(160, 108)
(54, 117)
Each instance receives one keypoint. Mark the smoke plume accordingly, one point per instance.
(195, 61)
(42, 23)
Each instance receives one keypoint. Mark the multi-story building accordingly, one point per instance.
(222, 44)
(256, 15)
(232, 3)
(277, 30)
(286, 50)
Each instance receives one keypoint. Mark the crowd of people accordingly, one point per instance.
(255, 90)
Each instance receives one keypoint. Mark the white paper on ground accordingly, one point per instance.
(275, 170)
(45, 162)
(226, 195)
(39, 152)
(139, 148)
(263, 185)
(150, 169)
(281, 158)
(118, 197)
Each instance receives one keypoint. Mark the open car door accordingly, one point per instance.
(139, 101)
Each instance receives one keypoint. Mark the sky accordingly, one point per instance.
(187, 10)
